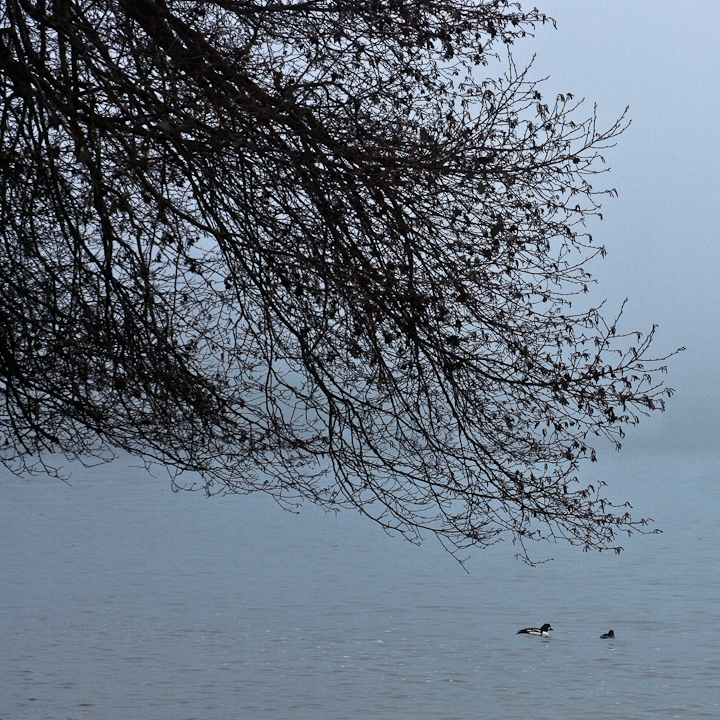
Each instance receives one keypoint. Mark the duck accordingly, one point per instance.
(608, 634)
(536, 631)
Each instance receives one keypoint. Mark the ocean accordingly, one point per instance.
(124, 600)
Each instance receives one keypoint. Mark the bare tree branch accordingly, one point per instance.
(311, 250)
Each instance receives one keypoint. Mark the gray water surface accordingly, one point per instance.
(120, 599)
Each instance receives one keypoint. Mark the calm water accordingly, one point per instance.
(120, 599)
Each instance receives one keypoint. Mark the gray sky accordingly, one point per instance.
(662, 235)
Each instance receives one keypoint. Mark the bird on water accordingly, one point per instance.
(608, 634)
(536, 631)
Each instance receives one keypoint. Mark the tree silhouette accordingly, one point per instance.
(310, 249)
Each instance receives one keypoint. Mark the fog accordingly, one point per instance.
(661, 59)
